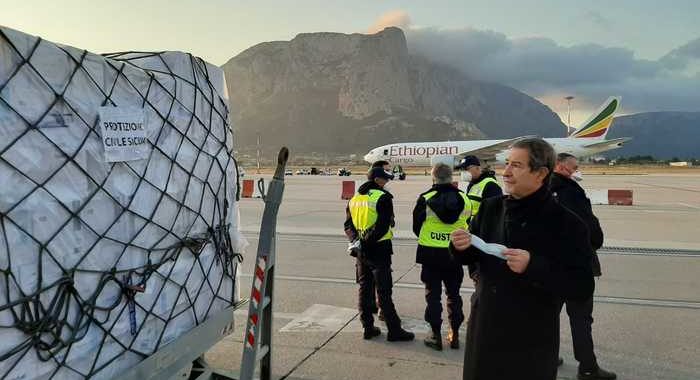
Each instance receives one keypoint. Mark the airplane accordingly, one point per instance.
(587, 140)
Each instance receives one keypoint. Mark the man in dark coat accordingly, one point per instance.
(567, 191)
(513, 329)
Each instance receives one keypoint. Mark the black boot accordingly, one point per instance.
(596, 374)
(434, 340)
(399, 335)
(371, 332)
(453, 339)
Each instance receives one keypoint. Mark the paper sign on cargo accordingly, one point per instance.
(124, 133)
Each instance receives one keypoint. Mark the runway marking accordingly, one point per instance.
(666, 187)
(329, 318)
(687, 205)
(320, 318)
(673, 304)
(281, 315)
(605, 250)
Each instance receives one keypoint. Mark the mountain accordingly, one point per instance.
(663, 135)
(338, 93)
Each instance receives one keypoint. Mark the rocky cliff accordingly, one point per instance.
(663, 135)
(337, 93)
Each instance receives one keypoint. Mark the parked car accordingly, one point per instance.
(344, 172)
(288, 172)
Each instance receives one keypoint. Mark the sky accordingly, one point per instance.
(648, 52)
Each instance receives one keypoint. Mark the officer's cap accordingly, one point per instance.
(379, 173)
(468, 161)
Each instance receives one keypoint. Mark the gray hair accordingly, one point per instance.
(561, 157)
(541, 154)
(442, 174)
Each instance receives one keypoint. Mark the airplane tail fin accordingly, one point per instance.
(597, 126)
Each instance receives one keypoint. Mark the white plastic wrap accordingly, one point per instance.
(69, 219)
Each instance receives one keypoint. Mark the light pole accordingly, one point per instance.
(568, 108)
(257, 156)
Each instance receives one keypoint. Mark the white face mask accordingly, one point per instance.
(577, 176)
(466, 176)
(387, 187)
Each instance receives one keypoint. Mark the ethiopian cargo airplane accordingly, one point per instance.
(587, 140)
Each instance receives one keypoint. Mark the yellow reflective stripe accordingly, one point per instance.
(477, 190)
(363, 211)
(435, 233)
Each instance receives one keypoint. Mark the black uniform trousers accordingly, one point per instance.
(433, 277)
(371, 275)
(581, 318)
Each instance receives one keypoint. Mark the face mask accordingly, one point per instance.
(493, 249)
(577, 176)
(387, 187)
(466, 176)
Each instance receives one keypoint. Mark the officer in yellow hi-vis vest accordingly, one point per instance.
(482, 182)
(438, 212)
(482, 185)
(370, 215)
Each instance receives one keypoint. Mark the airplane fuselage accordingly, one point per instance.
(420, 153)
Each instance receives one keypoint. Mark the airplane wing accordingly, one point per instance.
(489, 152)
(608, 144)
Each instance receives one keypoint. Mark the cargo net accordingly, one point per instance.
(102, 263)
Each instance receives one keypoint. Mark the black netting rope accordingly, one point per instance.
(57, 315)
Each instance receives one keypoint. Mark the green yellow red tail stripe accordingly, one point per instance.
(600, 123)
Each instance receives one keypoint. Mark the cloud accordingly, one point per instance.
(391, 18)
(545, 69)
(681, 57)
(527, 62)
(596, 18)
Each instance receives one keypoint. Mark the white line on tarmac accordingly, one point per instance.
(244, 312)
(601, 299)
(405, 242)
(687, 205)
(326, 322)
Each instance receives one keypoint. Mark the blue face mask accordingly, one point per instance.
(493, 249)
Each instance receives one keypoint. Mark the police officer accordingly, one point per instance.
(437, 213)
(482, 183)
(375, 309)
(565, 189)
(370, 213)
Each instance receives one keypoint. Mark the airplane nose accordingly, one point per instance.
(368, 157)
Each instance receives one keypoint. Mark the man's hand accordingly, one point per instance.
(461, 239)
(517, 259)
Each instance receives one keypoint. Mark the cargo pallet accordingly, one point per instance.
(184, 357)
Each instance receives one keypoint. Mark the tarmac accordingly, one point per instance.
(647, 305)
